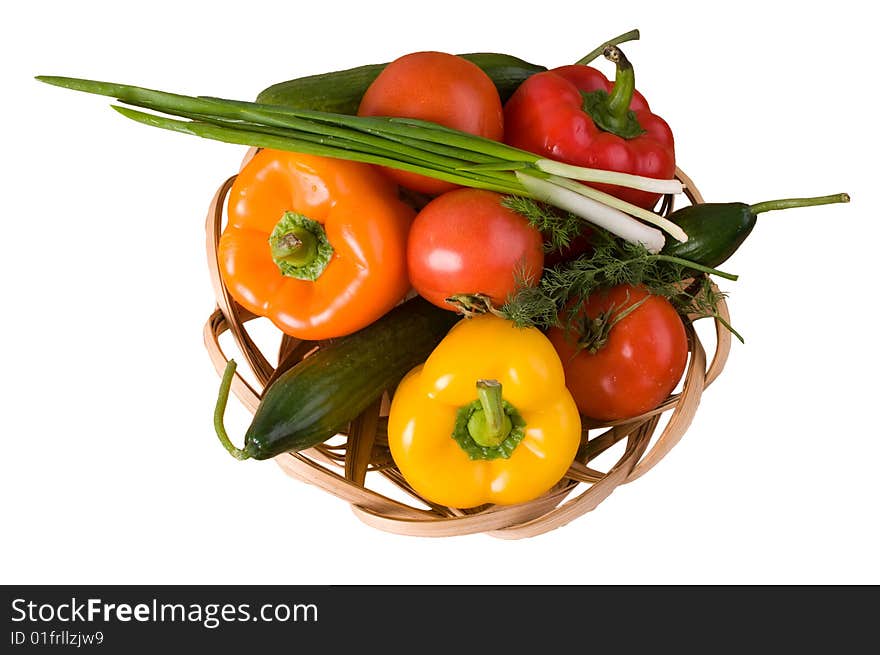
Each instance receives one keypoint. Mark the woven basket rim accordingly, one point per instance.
(345, 470)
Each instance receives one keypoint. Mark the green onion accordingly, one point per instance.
(608, 177)
(607, 199)
(241, 136)
(407, 144)
(613, 220)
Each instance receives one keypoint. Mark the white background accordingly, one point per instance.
(111, 472)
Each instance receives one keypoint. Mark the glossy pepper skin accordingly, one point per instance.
(351, 207)
(425, 413)
(546, 115)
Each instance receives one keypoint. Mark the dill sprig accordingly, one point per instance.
(559, 227)
(700, 300)
(563, 289)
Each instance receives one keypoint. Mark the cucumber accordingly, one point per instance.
(716, 230)
(317, 398)
(506, 71)
(341, 91)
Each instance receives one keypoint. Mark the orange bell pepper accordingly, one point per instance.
(317, 245)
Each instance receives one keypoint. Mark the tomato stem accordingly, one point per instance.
(595, 331)
(472, 304)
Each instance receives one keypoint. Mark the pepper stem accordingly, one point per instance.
(624, 83)
(788, 203)
(299, 247)
(610, 111)
(632, 35)
(220, 410)
(490, 424)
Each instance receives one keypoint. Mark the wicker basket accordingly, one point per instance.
(351, 465)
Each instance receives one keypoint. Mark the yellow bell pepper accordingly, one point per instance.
(486, 419)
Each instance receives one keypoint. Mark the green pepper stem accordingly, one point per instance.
(788, 203)
(490, 426)
(299, 247)
(632, 35)
(220, 410)
(610, 110)
(489, 393)
(624, 83)
(296, 247)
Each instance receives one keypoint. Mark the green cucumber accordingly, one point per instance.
(319, 396)
(506, 71)
(341, 91)
(716, 230)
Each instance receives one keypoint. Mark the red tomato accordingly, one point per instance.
(436, 87)
(466, 242)
(638, 365)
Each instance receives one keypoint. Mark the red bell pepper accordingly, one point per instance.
(574, 114)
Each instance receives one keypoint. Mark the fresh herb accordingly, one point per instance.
(563, 289)
(559, 227)
(700, 299)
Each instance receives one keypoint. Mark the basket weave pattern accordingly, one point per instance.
(346, 470)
